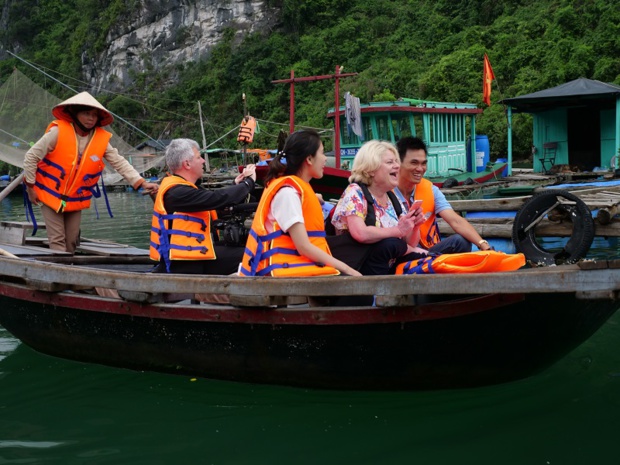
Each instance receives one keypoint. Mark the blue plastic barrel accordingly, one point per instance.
(5, 177)
(483, 153)
(505, 170)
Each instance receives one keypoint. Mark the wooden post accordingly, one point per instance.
(204, 138)
(337, 118)
(14, 183)
(291, 106)
(605, 215)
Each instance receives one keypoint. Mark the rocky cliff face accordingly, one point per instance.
(159, 35)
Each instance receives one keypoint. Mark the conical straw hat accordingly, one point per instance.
(83, 98)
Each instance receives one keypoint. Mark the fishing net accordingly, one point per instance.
(26, 111)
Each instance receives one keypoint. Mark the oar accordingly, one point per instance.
(7, 254)
(8, 189)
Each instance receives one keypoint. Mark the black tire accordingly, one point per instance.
(580, 240)
(450, 182)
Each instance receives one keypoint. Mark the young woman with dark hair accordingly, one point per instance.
(288, 234)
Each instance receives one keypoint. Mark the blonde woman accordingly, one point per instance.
(393, 232)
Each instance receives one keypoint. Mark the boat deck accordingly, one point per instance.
(17, 239)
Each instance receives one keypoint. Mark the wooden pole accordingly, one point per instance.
(245, 145)
(337, 118)
(204, 138)
(6, 253)
(291, 109)
(8, 189)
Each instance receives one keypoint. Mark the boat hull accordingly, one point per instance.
(440, 343)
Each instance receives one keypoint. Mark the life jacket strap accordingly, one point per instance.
(29, 212)
(50, 163)
(47, 175)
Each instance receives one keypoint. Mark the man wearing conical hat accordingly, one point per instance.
(62, 169)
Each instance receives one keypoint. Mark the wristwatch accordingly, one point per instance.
(482, 241)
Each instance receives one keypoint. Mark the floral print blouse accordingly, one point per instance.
(353, 202)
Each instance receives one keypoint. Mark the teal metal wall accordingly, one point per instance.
(550, 126)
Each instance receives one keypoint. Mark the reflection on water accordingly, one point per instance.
(131, 223)
(601, 248)
(26, 444)
(7, 343)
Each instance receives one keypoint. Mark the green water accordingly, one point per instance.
(54, 411)
(130, 224)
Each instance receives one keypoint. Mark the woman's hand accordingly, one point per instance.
(419, 217)
(32, 196)
(419, 250)
(350, 271)
(302, 243)
(406, 223)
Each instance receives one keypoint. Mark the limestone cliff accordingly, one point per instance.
(159, 35)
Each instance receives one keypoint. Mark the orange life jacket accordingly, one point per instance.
(66, 180)
(484, 261)
(429, 230)
(247, 129)
(180, 235)
(274, 253)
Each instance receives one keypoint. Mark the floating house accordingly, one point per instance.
(576, 123)
(446, 127)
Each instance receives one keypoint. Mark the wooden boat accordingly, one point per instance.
(423, 332)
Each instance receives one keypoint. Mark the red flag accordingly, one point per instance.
(487, 78)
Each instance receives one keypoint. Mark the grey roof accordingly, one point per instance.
(574, 93)
(159, 144)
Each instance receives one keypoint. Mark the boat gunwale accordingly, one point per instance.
(602, 277)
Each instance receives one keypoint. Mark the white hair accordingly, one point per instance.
(178, 151)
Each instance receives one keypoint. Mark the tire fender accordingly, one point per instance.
(542, 204)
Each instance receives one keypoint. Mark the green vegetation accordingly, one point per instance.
(430, 49)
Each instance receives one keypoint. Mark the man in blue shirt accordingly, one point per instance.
(413, 157)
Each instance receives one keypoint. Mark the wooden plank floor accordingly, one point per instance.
(39, 248)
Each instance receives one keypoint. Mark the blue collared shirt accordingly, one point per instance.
(441, 203)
